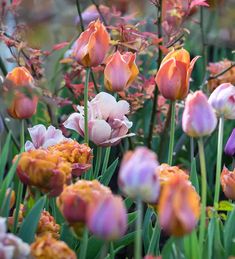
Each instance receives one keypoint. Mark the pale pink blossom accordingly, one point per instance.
(107, 123)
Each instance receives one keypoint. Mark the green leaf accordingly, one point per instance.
(193, 176)
(229, 234)
(167, 249)
(128, 203)
(106, 177)
(225, 206)
(210, 237)
(30, 223)
(67, 236)
(132, 217)
(4, 156)
(125, 241)
(147, 229)
(6, 204)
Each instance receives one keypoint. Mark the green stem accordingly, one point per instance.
(172, 134)
(80, 14)
(17, 208)
(84, 243)
(191, 149)
(22, 136)
(138, 236)
(106, 159)
(203, 194)
(219, 161)
(98, 162)
(112, 253)
(86, 106)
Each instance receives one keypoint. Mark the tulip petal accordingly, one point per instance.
(122, 108)
(37, 134)
(74, 123)
(191, 66)
(181, 55)
(99, 131)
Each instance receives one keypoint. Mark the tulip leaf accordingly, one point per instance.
(31, 221)
(107, 175)
(167, 249)
(4, 156)
(147, 228)
(6, 204)
(191, 247)
(225, 206)
(229, 234)
(67, 236)
(193, 175)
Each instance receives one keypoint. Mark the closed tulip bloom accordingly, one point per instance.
(198, 119)
(230, 145)
(92, 45)
(228, 183)
(107, 218)
(120, 71)
(138, 177)
(179, 207)
(222, 100)
(174, 74)
(21, 106)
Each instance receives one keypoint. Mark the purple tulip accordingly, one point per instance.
(230, 145)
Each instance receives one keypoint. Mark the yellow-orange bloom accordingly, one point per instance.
(179, 206)
(92, 45)
(46, 247)
(120, 71)
(47, 224)
(174, 74)
(44, 170)
(21, 106)
(228, 183)
(78, 155)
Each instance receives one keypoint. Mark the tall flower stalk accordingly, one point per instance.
(138, 236)
(86, 133)
(172, 134)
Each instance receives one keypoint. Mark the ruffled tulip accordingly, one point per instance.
(222, 100)
(50, 248)
(11, 246)
(120, 71)
(198, 119)
(179, 207)
(21, 106)
(228, 183)
(230, 145)
(138, 177)
(107, 123)
(44, 170)
(107, 218)
(43, 138)
(174, 74)
(92, 45)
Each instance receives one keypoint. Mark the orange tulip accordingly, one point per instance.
(91, 47)
(120, 71)
(228, 183)
(179, 206)
(174, 73)
(21, 106)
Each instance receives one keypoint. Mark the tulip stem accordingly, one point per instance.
(98, 162)
(83, 245)
(86, 105)
(22, 136)
(219, 161)
(112, 253)
(106, 159)
(172, 134)
(138, 235)
(203, 194)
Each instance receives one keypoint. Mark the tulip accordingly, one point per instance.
(137, 175)
(227, 180)
(107, 123)
(179, 207)
(43, 138)
(222, 100)
(120, 71)
(107, 218)
(198, 118)
(174, 74)
(44, 170)
(21, 106)
(230, 145)
(92, 45)
(48, 247)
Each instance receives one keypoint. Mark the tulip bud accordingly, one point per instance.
(137, 176)
(107, 218)
(120, 71)
(198, 118)
(179, 207)
(91, 47)
(48, 247)
(44, 170)
(21, 105)
(174, 74)
(223, 100)
(230, 145)
(228, 183)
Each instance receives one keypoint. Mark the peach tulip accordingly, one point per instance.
(21, 106)
(120, 71)
(198, 119)
(174, 74)
(228, 183)
(92, 45)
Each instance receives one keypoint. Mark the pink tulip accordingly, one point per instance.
(120, 71)
(198, 118)
(138, 177)
(43, 138)
(107, 218)
(223, 100)
(107, 123)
